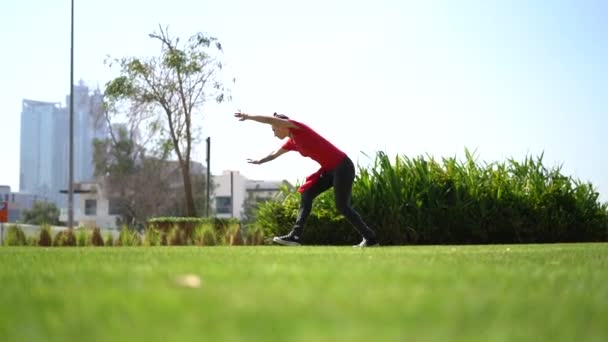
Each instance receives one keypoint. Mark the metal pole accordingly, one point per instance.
(208, 176)
(71, 133)
(2, 233)
(231, 194)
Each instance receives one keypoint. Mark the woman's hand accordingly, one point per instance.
(241, 116)
(256, 162)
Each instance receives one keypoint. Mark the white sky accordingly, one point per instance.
(508, 78)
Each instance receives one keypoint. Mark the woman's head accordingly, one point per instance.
(280, 132)
(280, 116)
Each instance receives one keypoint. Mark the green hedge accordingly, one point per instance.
(423, 201)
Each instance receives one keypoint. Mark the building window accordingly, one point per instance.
(223, 205)
(90, 207)
(6, 197)
(115, 206)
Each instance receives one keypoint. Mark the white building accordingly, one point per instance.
(232, 190)
(229, 194)
(94, 207)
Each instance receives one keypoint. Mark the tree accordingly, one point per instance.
(133, 181)
(199, 186)
(167, 90)
(42, 213)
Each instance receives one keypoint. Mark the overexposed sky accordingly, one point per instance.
(507, 78)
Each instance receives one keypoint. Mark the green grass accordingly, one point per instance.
(436, 293)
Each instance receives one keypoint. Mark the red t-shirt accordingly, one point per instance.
(310, 144)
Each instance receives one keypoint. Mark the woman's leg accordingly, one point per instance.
(344, 176)
(325, 182)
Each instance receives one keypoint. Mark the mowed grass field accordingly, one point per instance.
(553, 292)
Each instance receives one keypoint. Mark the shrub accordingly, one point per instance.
(31, 241)
(424, 201)
(15, 236)
(188, 225)
(45, 239)
(109, 242)
(126, 237)
(177, 237)
(205, 235)
(96, 239)
(81, 237)
(255, 236)
(152, 237)
(65, 238)
(235, 236)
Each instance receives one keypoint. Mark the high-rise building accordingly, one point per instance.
(45, 138)
(89, 124)
(41, 143)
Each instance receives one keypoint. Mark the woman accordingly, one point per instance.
(336, 170)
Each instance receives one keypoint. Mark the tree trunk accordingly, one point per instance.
(190, 209)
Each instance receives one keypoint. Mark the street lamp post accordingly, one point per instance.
(71, 133)
(208, 211)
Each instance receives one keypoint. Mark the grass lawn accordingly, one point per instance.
(420, 293)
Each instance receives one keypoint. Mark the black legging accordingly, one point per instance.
(341, 178)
